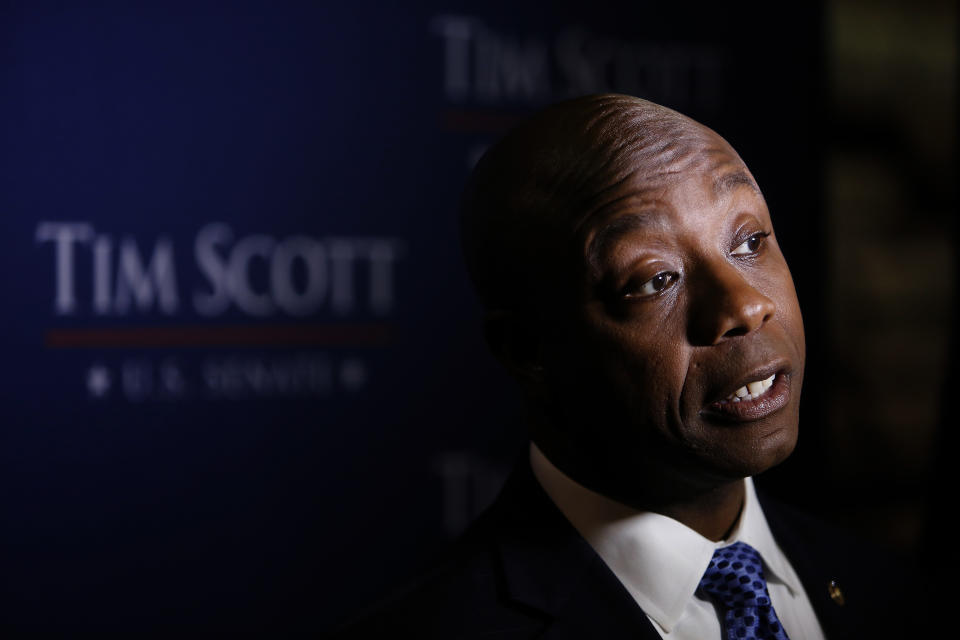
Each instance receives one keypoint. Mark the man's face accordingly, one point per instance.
(680, 358)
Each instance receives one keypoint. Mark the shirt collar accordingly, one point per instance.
(753, 529)
(657, 559)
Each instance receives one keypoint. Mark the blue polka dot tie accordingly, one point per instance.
(734, 581)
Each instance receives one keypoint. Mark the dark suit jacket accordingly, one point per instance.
(523, 571)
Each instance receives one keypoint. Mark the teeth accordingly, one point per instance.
(751, 390)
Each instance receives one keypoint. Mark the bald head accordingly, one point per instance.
(633, 286)
(531, 191)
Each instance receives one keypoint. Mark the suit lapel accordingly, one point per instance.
(549, 567)
(818, 563)
(601, 608)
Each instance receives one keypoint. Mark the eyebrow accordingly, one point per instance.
(730, 181)
(608, 235)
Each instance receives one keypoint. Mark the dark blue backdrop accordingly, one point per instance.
(243, 383)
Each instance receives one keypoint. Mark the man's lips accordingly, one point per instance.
(764, 391)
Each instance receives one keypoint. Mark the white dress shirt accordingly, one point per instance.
(660, 561)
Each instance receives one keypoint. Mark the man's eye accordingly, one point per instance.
(751, 245)
(654, 285)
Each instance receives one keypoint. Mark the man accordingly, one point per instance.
(634, 288)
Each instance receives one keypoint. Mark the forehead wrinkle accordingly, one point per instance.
(728, 182)
(609, 234)
(650, 166)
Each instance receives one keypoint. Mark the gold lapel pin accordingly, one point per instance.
(836, 593)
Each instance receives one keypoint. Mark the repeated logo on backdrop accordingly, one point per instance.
(222, 290)
(486, 65)
(491, 76)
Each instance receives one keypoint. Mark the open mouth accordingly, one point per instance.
(751, 390)
(753, 400)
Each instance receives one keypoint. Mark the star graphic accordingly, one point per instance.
(98, 380)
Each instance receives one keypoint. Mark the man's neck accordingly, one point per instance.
(713, 514)
(712, 511)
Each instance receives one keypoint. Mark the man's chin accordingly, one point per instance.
(684, 477)
(765, 453)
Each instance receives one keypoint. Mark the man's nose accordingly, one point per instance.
(725, 305)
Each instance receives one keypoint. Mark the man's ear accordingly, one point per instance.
(515, 342)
